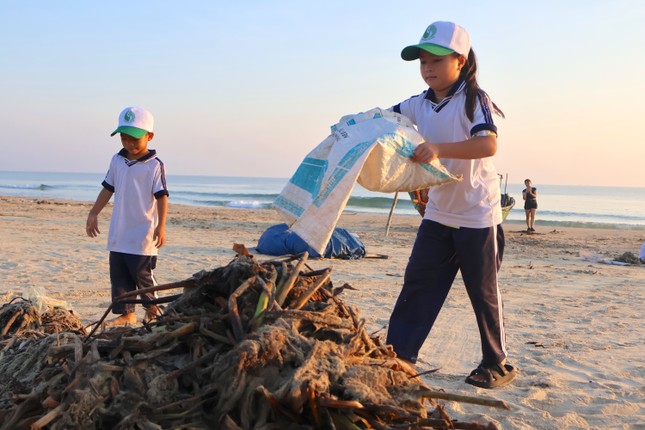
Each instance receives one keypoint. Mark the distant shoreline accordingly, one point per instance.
(514, 223)
(560, 206)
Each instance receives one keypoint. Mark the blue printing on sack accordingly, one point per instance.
(289, 206)
(309, 175)
(406, 149)
(399, 144)
(345, 164)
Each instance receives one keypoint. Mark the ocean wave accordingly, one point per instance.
(580, 224)
(604, 215)
(243, 204)
(228, 201)
(40, 187)
(380, 202)
(383, 204)
(209, 195)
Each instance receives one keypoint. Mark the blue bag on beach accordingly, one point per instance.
(279, 240)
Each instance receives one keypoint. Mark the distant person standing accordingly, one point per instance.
(529, 194)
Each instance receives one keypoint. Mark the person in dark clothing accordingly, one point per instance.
(529, 194)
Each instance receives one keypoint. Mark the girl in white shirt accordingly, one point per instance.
(461, 229)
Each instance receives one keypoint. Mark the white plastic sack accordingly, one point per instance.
(373, 148)
(388, 167)
(41, 302)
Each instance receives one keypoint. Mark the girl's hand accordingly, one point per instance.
(424, 153)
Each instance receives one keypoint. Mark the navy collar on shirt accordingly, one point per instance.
(456, 87)
(124, 153)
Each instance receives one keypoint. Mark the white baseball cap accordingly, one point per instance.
(440, 38)
(134, 121)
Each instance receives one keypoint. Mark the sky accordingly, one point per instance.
(248, 88)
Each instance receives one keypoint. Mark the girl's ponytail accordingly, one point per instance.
(469, 75)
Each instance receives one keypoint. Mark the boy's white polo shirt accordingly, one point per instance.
(136, 185)
(475, 201)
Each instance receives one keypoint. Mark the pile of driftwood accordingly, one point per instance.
(245, 346)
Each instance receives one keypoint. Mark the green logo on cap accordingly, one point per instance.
(430, 32)
(129, 116)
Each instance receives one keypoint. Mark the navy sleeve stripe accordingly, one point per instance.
(485, 105)
(163, 176)
(489, 123)
(483, 127)
(107, 186)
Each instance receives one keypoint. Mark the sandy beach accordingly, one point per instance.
(574, 326)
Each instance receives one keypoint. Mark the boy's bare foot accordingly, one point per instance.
(125, 319)
(151, 313)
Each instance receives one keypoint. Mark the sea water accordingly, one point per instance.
(559, 205)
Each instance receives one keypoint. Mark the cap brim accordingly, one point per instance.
(410, 53)
(135, 132)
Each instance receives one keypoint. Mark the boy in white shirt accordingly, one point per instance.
(137, 179)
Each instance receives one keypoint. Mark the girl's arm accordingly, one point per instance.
(162, 212)
(475, 147)
(92, 223)
(533, 192)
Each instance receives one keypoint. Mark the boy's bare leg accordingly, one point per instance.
(130, 318)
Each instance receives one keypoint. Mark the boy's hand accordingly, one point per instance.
(160, 236)
(92, 225)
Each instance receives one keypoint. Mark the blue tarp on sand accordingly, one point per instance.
(279, 240)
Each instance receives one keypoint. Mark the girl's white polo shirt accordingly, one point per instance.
(475, 201)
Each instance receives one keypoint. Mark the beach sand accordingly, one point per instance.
(574, 327)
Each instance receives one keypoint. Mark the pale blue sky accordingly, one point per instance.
(247, 88)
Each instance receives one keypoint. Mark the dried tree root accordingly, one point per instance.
(232, 329)
(465, 399)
